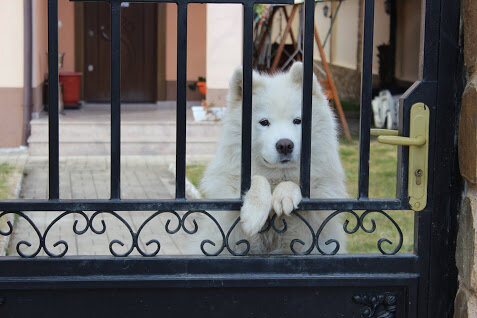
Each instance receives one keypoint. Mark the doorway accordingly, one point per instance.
(138, 52)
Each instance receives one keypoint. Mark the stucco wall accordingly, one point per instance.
(39, 51)
(40, 42)
(408, 39)
(322, 26)
(11, 42)
(344, 41)
(11, 74)
(196, 41)
(224, 48)
(346, 36)
(66, 31)
(66, 37)
(381, 31)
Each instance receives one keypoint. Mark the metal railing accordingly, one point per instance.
(115, 203)
(180, 202)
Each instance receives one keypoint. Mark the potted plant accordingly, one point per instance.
(201, 84)
(206, 111)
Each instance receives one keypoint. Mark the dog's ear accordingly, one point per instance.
(235, 93)
(296, 76)
(235, 85)
(296, 72)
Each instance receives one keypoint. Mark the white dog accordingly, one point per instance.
(276, 143)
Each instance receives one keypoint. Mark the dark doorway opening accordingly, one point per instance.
(138, 52)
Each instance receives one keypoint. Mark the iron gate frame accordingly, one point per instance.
(427, 276)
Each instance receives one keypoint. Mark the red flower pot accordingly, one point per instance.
(202, 87)
(71, 88)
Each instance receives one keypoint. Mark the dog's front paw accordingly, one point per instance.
(286, 197)
(256, 207)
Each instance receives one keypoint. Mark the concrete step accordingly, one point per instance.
(101, 130)
(137, 138)
(127, 148)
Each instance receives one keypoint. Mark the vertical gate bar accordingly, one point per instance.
(115, 99)
(247, 96)
(53, 134)
(181, 99)
(307, 98)
(366, 92)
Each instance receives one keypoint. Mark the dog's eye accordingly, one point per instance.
(297, 121)
(264, 122)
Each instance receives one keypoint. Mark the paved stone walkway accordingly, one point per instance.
(88, 178)
(16, 159)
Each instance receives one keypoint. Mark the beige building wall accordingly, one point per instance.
(408, 39)
(11, 74)
(322, 25)
(39, 51)
(66, 44)
(346, 36)
(382, 22)
(171, 42)
(40, 42)
(196, 45)
(11, 42)
(66, 33)
(224, 48)
(344, 41)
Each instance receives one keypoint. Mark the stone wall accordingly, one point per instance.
(466, 253)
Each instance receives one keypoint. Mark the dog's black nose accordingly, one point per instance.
(284, 146)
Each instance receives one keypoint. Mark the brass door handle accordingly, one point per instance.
(402, 141)
(418, 142)
(391, 137)
(384, 132)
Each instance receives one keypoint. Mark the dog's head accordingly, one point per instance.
(276, 114)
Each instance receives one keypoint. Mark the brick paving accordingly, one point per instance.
(16, 159)
(88, 178)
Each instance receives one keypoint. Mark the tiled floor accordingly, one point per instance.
(88, 178)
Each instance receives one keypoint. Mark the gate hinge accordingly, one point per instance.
(418, 142)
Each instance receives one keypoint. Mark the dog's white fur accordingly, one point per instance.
(274, 185)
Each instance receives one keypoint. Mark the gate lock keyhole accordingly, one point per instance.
(418, 174)
(418, 143)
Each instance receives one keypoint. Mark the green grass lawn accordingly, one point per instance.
(382, 184)
(6, 190)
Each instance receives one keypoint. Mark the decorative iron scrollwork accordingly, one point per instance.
(42, 237)
(188, 222)
(382, 240)
(63, 242)
(206, 241)
(377, 306)
(134, 235)
(360, 224)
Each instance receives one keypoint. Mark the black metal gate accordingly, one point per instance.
(420, 284)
